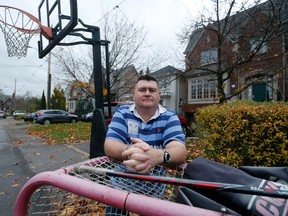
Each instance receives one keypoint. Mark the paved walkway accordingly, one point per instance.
(22, 156)
(43, 157)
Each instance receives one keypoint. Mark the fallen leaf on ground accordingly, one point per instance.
(52, 157)
(18, 142)
(10, 173)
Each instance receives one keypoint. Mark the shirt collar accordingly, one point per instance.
(160, 110)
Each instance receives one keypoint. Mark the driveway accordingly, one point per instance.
(22, 156)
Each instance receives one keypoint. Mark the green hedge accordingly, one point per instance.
(244, 133)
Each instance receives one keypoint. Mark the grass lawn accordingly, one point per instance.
(62, 133)
(68, 133)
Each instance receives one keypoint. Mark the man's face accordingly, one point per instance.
(146, 94)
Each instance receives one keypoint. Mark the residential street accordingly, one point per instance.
(22, 156)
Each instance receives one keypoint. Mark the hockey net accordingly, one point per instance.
(50, 200)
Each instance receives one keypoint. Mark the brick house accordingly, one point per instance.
(253, 61)
(171, 82)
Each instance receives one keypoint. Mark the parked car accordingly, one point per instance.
(19, 114)
(30, 117)
(87, 117)
(54, 116)
(184, 125)
(114, 106)
(2, 114)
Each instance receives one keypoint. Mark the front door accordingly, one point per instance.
(259, 92)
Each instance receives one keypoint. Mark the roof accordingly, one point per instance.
(166, 70)
(240, 19)
(7, 99)
(195, 36)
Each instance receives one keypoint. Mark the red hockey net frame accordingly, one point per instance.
(19, 27)
(64, 192)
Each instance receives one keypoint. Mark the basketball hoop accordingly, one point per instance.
(18, 28)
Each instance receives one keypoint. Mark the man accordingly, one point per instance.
(145, 134)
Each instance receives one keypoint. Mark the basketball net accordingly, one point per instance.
(18, 28)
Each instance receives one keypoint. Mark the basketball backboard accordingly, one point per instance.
(61, 16)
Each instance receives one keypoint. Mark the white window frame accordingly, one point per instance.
(255, 42)
(209, 56)
(202, 89)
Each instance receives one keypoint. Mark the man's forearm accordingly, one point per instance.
(177, 151)
(114, 149)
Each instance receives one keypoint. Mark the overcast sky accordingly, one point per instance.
(162, 18)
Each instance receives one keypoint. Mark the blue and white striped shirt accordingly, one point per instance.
(161, 129)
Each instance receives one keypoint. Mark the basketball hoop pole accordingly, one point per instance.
(98, 130)
(60, 31)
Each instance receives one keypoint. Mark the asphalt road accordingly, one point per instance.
(22, 156)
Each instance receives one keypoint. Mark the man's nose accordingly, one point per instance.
(147, 92)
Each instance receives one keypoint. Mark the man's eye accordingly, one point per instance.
(152, 90)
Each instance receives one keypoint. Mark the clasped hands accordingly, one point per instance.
(141, 157)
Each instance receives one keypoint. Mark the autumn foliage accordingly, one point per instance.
(66, 133)
(244, 133)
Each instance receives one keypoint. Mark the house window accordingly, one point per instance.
(164, 82)
(203, 89)
(258, 43)
(209, 56)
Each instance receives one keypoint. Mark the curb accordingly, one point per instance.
(77, 150)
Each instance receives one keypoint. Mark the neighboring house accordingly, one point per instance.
(264, 78)
(7, 105)
(73, 93)
(122, 83)
(172, 87)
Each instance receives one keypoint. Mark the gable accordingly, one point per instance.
(168, 70)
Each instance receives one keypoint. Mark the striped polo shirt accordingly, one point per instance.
(162, 128)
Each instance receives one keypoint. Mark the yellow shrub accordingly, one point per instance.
(244, 133)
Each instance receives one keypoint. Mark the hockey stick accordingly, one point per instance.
(214, 186)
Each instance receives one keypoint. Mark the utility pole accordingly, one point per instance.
(14, 97)
(49, 82)
(14, 93)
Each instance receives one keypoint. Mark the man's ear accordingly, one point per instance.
(133, 92)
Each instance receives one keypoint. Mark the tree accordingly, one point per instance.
(126, 48)
(43, 101)
(80, 107)
(2, 95)
(230, 23)
(58, 100)
(90, 106)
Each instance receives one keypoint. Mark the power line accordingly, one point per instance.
(115, 7)
(15, 66)
(144, 38)
(33, 75)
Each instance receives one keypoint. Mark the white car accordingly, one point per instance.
(2, 114)
(19, 113)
